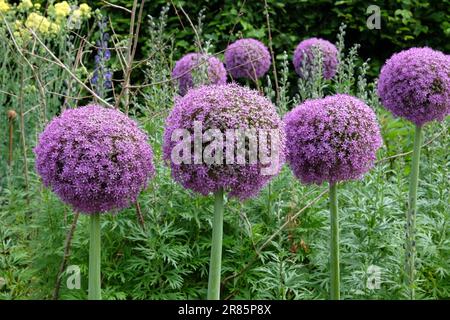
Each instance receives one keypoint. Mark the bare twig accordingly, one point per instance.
(202, 61)
(11, 117)
(62, 65)
(139, 215)
(176, 12)
(22, 132)
(122, 59)
(237, 20)
(67, 245)
(275, 76)
(36, 76)
(292, 218)
(244, 217)
(410, 152)
(138, 28)
(260, 248)
(131, 51)
(78, 60)
(8, 93)
(109, 4)
(197, 36)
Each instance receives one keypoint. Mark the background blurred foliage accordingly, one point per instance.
(404, 23)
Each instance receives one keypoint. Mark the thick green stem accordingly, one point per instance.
(94, 291)
(216, 248)
(411, 213)
(334, 244)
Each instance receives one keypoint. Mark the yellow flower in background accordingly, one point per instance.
(25, 5)
(37, 22)
(19, 31)
(37, 6)
(62, 9)
(18, 24)
(22, 35)
(4, 6)
(85, 10)
(76, 16)
(54, 28)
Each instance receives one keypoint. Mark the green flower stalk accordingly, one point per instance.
(331, 140)
(220, 167)
(94, 290)
(216, 248)
(411, 213)
(334, 244)
(97, 160)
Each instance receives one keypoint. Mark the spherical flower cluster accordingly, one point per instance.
(226, 108)
(247, 58)
(331, 139)
(85, 10)
(184, 67)
(305, 50)
(4, 6)
(20, 32)
(415, 84)
(75, 18)
(62, 9)
(25, 5)
(40, 23)
(78, 15)
(95, 159)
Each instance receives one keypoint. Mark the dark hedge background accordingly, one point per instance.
(404, 23)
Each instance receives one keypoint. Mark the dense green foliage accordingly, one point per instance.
(404, 23)
(170, 259)
(275, 245)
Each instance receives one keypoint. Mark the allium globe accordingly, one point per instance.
(247, 58)
(331, 139)
(94, 158)
(305, 50)
(225, 107)
(415, 84)
(182, 71)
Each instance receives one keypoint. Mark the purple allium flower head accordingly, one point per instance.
(331, 139)
(247, 58)
(329, 56)
(95, 159)
(225, 107)
(415, 84)
(182, 71)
